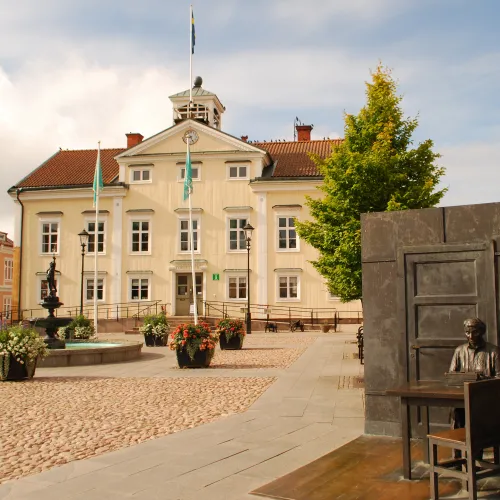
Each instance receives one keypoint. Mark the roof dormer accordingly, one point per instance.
(205, 106)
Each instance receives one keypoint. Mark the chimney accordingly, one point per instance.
(304, 132)
(133, 139)
(244, 138)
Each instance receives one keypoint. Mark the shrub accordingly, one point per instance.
(155, 324)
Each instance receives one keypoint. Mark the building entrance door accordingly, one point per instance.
(184, 293)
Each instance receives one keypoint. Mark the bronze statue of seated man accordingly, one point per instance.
(477, 356)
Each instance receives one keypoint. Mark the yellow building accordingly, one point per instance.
(143, 225)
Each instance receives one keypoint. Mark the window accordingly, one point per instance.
(140, 175)
(140, 236)
(237, 239)
(89, 295)
(195, 173)
(7, 307)
(139, 288)
(238, 172)
(237, 287)
(331, 296)
(8, 269)
(185, 236)
(92, 234)
(50, 237)
(44, 289)
(288, 288)
(287, 236)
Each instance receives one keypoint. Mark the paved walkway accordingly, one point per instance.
(311, 409)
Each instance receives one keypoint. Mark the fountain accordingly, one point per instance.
(51, 302)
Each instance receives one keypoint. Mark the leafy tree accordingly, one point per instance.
(375, 169)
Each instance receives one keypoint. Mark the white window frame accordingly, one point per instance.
(182, 172)
(140, 219)
(288, 276)
(7, 306)
(139, 277)
(141, 169)
(8, 269)
(102, 220)
(40, 280)
(86, 285)
(238, 276)
(238, 166)
(237, 216)
(334, 298)
(198, 234)
(286, 216)
(43, 221)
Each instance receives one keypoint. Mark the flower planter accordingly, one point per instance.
(149, 340)
(19, 371)
(154, 341)
(234, 343)
(325, 328)
(201, 359)
(161, 341)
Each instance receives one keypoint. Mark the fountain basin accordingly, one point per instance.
(91, 353)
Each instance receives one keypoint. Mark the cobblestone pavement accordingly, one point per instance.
(53, 420)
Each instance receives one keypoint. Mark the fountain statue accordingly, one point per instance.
(51, 302)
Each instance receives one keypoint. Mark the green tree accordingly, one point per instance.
(375, 169)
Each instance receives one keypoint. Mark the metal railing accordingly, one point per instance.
(110, 311)
(279, 313)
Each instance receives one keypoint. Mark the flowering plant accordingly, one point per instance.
(80, 328)
(230, 328)
(193, 338)
(24, 344)
(155, 325)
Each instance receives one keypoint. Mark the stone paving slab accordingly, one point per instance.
(226, 458)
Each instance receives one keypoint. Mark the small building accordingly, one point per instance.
(7, 276)
(142, 230)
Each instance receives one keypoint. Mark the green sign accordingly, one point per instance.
(215, 277)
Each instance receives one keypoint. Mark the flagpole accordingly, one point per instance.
(191, 242)
(96, 240)
(190, 59)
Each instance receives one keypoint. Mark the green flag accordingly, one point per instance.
(188, 179)
(98, 182)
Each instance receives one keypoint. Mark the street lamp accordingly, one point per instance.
(248, 237)
(84, 238)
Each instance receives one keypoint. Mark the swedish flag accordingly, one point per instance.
(193, 36)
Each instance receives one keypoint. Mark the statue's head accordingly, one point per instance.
(474, 331)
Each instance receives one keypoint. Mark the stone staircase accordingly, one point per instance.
(175, 321)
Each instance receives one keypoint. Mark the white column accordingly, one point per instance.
(262, 262)
(17, 225)
(117, 248)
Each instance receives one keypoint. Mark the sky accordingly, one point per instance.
(73, 73)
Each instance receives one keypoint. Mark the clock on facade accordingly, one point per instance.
(190, 135)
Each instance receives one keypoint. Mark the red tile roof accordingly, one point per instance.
(74, 168)
(292, 159)
(69, 168)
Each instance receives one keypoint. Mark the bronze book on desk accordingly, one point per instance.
(458, 378)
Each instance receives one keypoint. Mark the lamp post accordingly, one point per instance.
(248, 237)
(84, 238)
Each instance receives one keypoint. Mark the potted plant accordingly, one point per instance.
(81, 328)
(20, 349)
(231, 333)
(155, 329)
(325, 328)
(195, 345)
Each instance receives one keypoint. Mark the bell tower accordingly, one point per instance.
(205, 106)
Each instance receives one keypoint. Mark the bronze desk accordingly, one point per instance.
(423, 394)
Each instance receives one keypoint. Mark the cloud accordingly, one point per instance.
(471, 173)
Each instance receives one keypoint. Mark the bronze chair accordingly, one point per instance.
(482, 430)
